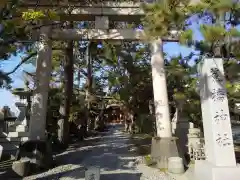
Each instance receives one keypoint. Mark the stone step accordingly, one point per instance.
(13, 139)
(14, 134)
(16, 123)
(8, 146)
(9, 150)
(18, 128)
(8, 154)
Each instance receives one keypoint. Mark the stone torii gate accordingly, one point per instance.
(215, 167)
(102, 14)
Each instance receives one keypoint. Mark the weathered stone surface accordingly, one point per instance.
(39, 152)
(163, 121)
(162, 149)
(205, 170)
(92, 173)
(215, 112)
(1, 151)
(180, 128)
(21, 167)
(220, 163)
(37, 123)
(175, 165)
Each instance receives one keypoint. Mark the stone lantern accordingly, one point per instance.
(24, 105)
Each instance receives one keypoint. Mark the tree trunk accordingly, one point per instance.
(79, 79)
(100, 121)
(79, 72)
(68, 90)
(89, 87)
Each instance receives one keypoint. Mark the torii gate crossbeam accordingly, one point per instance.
(101, 31)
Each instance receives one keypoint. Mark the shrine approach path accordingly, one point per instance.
(112, 152)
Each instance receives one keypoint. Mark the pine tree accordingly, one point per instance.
(221, 38)
(12, 31)
(219, 20)
(161, 19)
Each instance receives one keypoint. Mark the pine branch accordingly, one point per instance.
(25, 59)
(83, 72)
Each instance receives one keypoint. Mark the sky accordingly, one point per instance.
(172, 49)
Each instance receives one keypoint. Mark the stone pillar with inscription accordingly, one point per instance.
(220, 163)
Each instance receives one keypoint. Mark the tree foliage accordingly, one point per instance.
(164, 16)
(125, 69)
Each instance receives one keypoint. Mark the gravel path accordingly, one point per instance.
(111, 152)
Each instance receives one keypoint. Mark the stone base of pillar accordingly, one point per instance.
(207, 171)
(162, 149)
(18, 128)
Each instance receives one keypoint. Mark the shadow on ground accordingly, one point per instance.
(114, 176)
(142, 143)
(110, 151)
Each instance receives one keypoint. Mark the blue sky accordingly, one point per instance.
(172, 49)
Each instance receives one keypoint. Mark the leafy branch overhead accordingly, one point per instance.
(125, 69)
(164, 16)
(218, 20)
(39, 15)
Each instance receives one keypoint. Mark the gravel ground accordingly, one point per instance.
(111, 152)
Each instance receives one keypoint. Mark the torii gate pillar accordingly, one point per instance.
(37, 124)
(163, 145)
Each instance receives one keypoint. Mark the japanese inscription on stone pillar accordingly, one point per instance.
(219, 97)
(215, 112)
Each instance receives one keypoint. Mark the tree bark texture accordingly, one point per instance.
(68, 88)
(89, 86)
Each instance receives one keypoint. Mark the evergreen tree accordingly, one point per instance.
(161, 19)
(12, 31)
(221, 38)
(218, 20)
